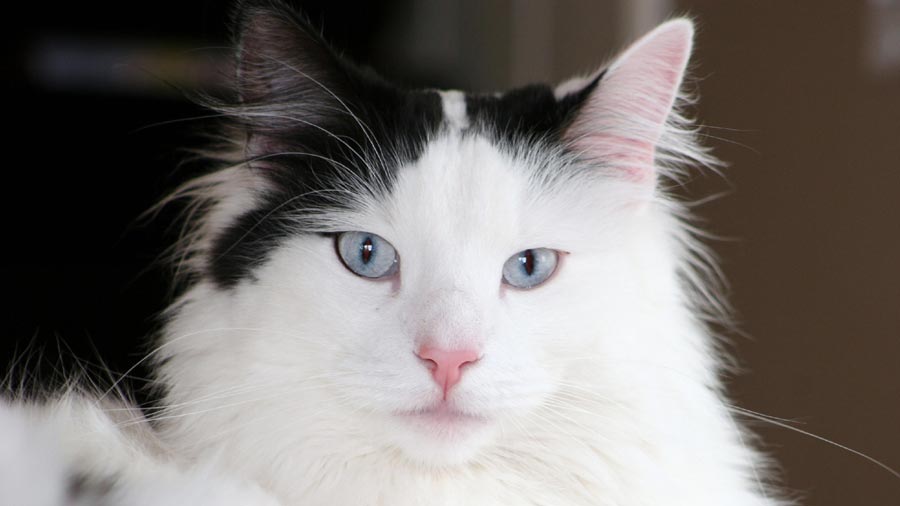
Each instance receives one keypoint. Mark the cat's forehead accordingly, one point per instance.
(455, 154)
(469, 191)
(485, 165)
(461, 182)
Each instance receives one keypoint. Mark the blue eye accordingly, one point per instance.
(529, 268)
(367, 255)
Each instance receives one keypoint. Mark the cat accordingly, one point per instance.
(406, 297)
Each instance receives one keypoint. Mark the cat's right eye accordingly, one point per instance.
(367, 255)
(529, 268)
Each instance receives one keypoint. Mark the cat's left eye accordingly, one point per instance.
(531, 267)
(367, 255)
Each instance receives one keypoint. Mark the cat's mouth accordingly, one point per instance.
(442, 415)
(441, 434)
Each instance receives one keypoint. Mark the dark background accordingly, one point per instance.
(802, 99)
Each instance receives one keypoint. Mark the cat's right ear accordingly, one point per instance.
(626, 114)
(286, 73)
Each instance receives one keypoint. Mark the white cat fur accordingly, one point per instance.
(602, 385)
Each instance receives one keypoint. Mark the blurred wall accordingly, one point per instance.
(815, 269)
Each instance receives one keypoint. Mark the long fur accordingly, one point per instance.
(288, 380)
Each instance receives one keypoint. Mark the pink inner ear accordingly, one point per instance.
(624, 118)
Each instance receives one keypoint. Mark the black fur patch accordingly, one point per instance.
(526, 114)
(84, 489)
(309, 165)
(311, 121)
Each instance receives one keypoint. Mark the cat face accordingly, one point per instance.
(454, 217)
(427, 272)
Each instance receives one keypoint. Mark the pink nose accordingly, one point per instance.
(446, 364)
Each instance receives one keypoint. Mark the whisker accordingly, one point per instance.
(858, 453)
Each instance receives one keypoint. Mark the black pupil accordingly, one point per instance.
(367, 249)
(527, 260)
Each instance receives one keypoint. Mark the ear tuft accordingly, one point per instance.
(283, 64)
(288, 80)
(623, 119)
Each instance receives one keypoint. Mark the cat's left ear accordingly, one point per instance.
(622, 120)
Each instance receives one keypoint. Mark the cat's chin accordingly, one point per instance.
(441, 436)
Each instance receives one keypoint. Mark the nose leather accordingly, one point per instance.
(446, 365)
